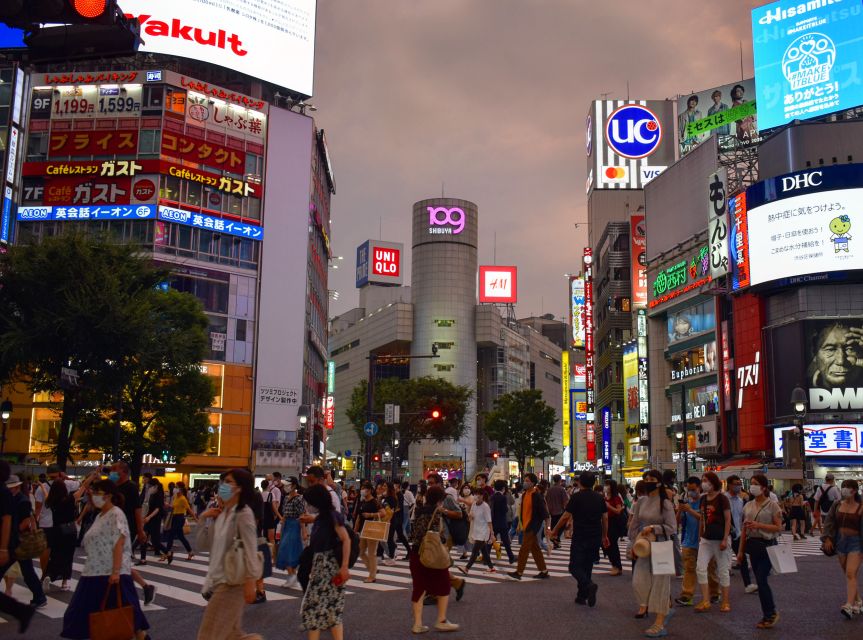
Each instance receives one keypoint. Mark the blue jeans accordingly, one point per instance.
(761, 566)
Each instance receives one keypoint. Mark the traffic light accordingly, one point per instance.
(435, 414)
(495, 455)
(29, 13)
(376, 457)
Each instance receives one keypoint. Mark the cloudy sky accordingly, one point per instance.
(489, 97)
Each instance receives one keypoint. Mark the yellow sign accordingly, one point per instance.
(564, 385)
(347, 464)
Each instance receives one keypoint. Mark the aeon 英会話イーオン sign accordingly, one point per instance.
(446, 220)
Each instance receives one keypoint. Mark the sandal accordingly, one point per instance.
(420, 629)
(656, 632)
(702, 606)
(370, 580)
(725, 607)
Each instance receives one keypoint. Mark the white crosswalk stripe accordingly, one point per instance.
(181, 582)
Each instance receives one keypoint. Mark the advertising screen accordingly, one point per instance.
(11, 38)
(806, 58)
(834, 363)
(638, 260)
(273, 41)
(727, 112)
(805, 222)
(691, 322)
(498, 284)
(630, 384)
(576, 311)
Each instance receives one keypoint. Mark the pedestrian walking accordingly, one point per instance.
(617, 523)
(429, 582)
(108, 566)
(393, 500)
(500, 516)
(131, 506)
(653, 516)
(689, 520)
(223, 616)
(293, 533)
(64, 533)
(762, 524)
(179, 509)
(272, 499)
(23, 521)
(481, 534)
(556, 498)
(152, 513)
(324, 600)
(8, 542)
(533, 515)
(588, 512)
(843, 528)
(734, 493)
(715, 539)
(408, 502)
(796, 512)
(454, 519)
(825, 495)
(368, 508)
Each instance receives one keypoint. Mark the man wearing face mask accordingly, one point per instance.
(119, 475)
(533, 516)
(689, 518)
(735, 488)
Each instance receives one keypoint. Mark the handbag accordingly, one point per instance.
(375, 530)
(782, 558)
(234, 565)
(187, 529)
(113, 624)
(433, 554)
(69, 529)
(31, 543)
(662, 557)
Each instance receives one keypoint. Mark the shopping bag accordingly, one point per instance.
(782, 558)
(113, 624)
(662, 558)
(375, 530)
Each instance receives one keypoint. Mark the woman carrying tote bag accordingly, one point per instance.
(235, 564)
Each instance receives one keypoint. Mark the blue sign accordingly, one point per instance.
(807, 56)
(154, 76)
(633, 131)
(5, 221)
(348, 453)
(606, 435)
(11, 38)
(363, 264)
(211, 223)
(370, 429)
(104, 212)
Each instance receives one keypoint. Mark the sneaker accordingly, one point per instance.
(683, 602)
(858, 606)
(389, 562)
(715, 599)
(591, 595)
(446, 625)
(149, 593)
(38, 604)
(769, 622)
(751, 588)
(847, 610)
(515, 575)
(420, 629)
(490, 570)
(542, 575)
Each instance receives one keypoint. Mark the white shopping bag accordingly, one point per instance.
(782, 558)
(662, 558)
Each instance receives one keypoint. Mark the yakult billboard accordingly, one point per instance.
(276, 44)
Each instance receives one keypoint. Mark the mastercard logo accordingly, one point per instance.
(614, 174)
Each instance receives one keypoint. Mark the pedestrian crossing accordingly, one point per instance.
(181, 582)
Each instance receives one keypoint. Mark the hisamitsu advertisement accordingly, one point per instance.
(807, 59)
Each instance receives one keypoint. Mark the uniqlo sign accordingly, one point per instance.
(498, 285)
(379, 263)
(386, 262)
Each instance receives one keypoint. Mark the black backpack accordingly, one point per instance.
(825, 502)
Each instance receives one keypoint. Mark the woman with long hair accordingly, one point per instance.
(427, 581)
(293, 533)
(616, 525)
(108, 566)
(368, 508)
(762, 524)
(843, 529)
(653, 517)
(153, 520)
(64, 533)
(715, 530)
(324, 601)
(234, 519)
(796, 512)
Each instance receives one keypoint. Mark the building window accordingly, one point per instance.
(552, 377)
(240, 332)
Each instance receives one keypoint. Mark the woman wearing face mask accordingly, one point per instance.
(108, 567)
(223, 616)
(843, 530)
(153, 520)
(291, 545)
(715, 511)
(368, 508)
(481, 535)
(179, 509)
(762, 523)
(653, 516)
(617, 521)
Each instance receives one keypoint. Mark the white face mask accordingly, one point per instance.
(706, 486)
(755, 490)
(98, 501)
(847, 492)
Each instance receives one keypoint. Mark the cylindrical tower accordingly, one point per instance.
(443, 292)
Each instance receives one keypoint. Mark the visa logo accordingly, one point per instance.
(649, 173)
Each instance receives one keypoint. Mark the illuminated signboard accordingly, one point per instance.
(565, 408)
(717, 222)
(331, 376)
(806, 56)
(498, 284)
(638, 260)
(107, 212)
(630, 384)
(739, 248)
(204, 152)
(96, 101)
(606, 437)
(211, 223)
(643, 391)
(590, 426)
(826, 439)
(446, 220)
(273, 42)
(804, 222)
(728, 112)
(685, 275)
(329, 411)
(225, 118)
(379, 263)
(93, 143)
(576, 311)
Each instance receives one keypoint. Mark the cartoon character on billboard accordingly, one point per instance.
(840, 226)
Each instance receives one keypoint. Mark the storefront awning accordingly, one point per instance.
(734, 466)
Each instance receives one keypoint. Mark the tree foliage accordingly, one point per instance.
(416, 397)
(522, 424)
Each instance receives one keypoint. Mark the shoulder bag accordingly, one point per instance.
(433, 554)
(117, 623)
(31, 543)
(235, 568)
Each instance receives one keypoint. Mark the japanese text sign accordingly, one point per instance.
(199, 151)
(826, 439)
(93, 143)
(717, 221)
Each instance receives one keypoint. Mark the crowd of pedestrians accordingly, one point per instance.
(314, 530)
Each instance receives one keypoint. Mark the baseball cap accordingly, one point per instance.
(53, 468)
(13, 481)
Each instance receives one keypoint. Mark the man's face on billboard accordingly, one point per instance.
(837, 355)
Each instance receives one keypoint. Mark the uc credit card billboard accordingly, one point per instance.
(807, 56)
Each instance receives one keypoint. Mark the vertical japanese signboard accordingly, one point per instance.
(576, 311)
(717, 222)
(565, 408)
(638, 260)
(643, 391)
(588, 352)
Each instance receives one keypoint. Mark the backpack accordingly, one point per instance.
(825, 502)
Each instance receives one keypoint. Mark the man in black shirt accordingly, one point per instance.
(587, 510)
(8, 542)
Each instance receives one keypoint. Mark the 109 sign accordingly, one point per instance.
(633, 131)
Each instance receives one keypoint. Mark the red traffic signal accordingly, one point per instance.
(495, 455)
(435, 414)
(90, 9)
(376, 457)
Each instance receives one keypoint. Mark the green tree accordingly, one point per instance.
(522, 424)
(416, 397)
(71, 301)
(164, 394)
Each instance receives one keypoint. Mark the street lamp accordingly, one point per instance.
(798, 403)
(620, 459)
(5, 414)
(679, 436)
